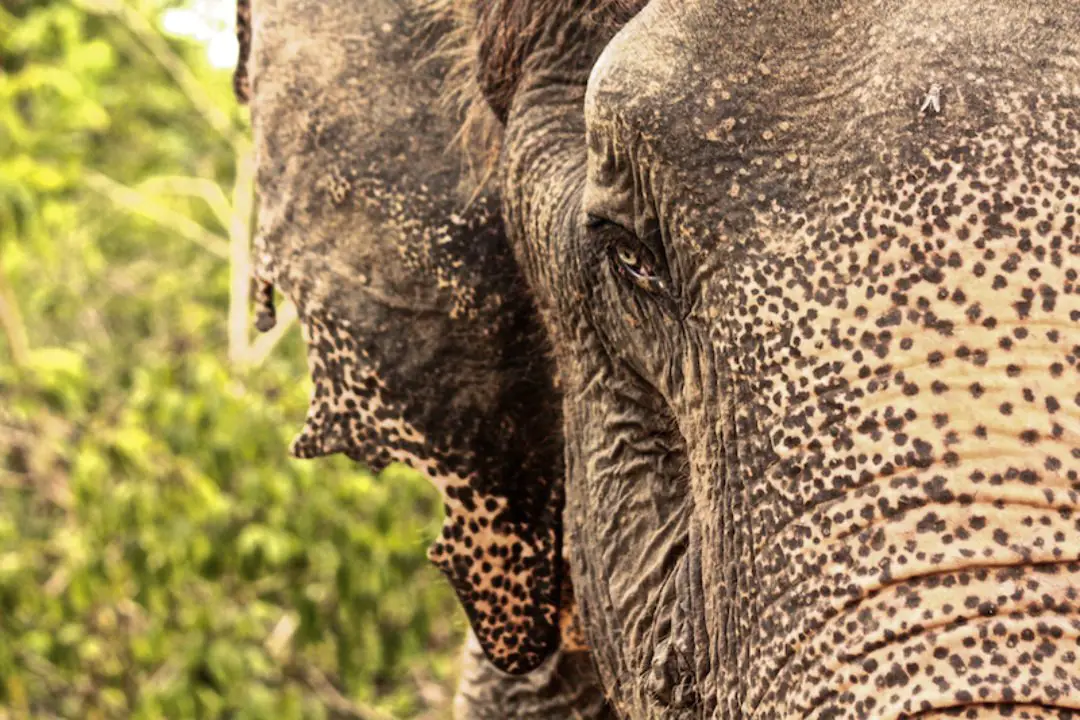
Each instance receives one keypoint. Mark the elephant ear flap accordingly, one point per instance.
(423, 345)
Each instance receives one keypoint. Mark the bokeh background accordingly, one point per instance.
(160, 554)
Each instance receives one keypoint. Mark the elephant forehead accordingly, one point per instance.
(708, 87)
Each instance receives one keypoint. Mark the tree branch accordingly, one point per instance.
(206, 190)
(333, 699)
(240, 269)
(265, 343)
(139, 204)
(173, 64)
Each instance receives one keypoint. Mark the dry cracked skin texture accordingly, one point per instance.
(433, 373)
(869, 348)
(822, 419)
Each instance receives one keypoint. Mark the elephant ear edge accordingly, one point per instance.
(241, 81)
(423, 344)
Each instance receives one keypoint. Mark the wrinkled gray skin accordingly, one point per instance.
(362, 209)
(564, 687)
(806, 271)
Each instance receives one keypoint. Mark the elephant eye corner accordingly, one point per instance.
(628, 255)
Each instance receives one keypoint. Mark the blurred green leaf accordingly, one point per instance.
(161, 556)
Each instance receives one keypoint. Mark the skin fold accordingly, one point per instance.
(797, 284)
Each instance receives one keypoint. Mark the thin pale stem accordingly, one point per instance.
(11, 321)
(206, 190)
(139, 204)
(240, 267)
(158, 47)
(265, 344)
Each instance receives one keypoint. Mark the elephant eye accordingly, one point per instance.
(637, 265)
(629, 256)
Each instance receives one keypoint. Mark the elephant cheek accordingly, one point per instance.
(635, 557)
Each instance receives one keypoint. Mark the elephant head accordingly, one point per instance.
(423, 340)
(769, 316)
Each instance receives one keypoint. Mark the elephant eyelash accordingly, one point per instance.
(629, 256)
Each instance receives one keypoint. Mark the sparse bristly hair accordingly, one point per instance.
(488, 45)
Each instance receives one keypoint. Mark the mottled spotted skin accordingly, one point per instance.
(822, 452)
(831, 471)
(497, 555)
(423, 343)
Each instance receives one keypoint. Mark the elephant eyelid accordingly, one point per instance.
(596, 223)
(632, 258)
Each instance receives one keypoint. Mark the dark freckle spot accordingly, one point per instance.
(935, 358)
(911, 389)
(1001, 537)
(1029, 437)
(938, 387)
(1049, 297)
(890, 319)
(931, 522)
(1052, 405)
(1005, 408)
(980, 431)
(1012, 370)
(925, 452)
(977, 390)
(896, 677)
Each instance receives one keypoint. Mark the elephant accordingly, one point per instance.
(739, 336)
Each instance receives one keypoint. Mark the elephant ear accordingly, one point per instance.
(422, 342)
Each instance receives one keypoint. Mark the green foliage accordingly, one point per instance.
(160, 554)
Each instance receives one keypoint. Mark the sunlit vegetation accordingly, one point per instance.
(161, 556)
